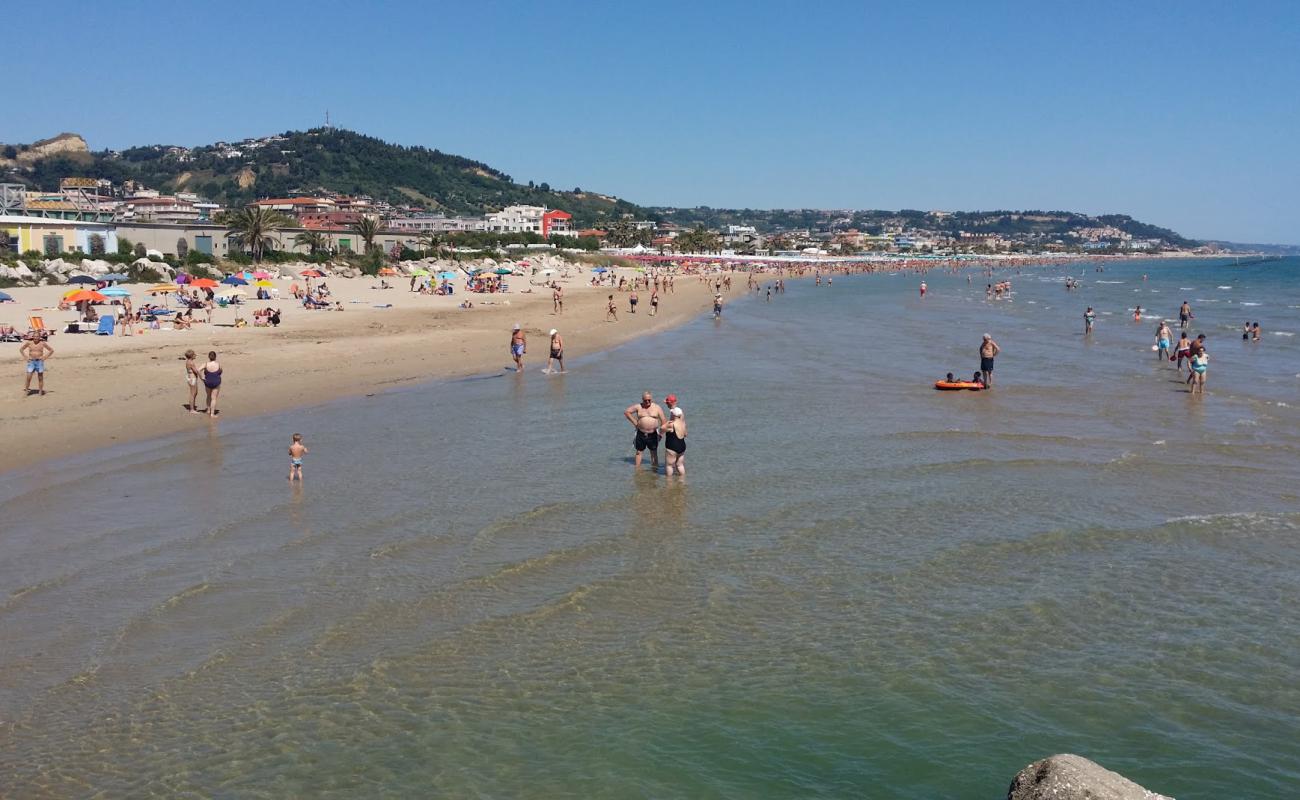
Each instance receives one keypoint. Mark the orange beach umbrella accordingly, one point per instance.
(204, 283)
(86, 296)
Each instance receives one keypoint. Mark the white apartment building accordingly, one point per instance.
(517, 219)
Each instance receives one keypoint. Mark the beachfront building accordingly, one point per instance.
(51, 235)
(166, 209)
(436, 223)
(201, 236)
(557, 222)
(297, 206)
(530, 219)
(517, 219)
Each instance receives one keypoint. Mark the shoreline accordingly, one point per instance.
(107, 391)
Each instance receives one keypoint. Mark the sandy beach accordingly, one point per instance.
(105, 390)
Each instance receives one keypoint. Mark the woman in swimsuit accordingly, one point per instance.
(675, 443)
(192, 380)
(212, 381)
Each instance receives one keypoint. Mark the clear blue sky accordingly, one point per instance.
(1185, 114)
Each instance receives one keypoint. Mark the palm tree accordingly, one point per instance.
(315, 240)
(368, 228)
(430, 241)
(255, 227)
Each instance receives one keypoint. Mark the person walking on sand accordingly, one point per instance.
(647, 417)
(192, 380)
(988, 351)
(611, 310)
(518, 346)
(557, 352)
(212, 382)
(631, 302)
(36, 350)
(675, 443)
(296, 451)
(557, 299)
(654, 301)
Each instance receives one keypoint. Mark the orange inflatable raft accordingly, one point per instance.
(953, 386)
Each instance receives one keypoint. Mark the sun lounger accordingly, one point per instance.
(105, 326)
(37, 325)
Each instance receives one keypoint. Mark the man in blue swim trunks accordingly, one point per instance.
(35, 350)
(518, 346)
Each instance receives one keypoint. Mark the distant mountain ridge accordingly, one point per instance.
(352, 163)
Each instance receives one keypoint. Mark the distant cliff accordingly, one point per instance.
(68, 145)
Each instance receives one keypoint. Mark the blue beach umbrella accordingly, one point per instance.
(446, 276)
(600, 269)
(114, 291)
(4, 298)
(114, 277)
(234, 280)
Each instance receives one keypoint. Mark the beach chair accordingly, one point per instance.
(105, 326)
(37, 325)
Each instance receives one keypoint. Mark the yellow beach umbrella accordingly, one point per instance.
(164, 288)
(263, 283)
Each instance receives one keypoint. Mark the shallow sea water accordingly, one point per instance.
(863, 588)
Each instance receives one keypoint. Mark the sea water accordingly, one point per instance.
(863, 587)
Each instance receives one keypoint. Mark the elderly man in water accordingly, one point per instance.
(648, 418)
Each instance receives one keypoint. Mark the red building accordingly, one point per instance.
(557, 222)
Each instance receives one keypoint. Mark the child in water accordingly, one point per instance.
(296, 451)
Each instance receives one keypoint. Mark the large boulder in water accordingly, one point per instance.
(1070, 777)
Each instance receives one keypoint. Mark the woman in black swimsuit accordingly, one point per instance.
(675, 443)
(212, 381)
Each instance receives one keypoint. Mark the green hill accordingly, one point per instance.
(326, 158)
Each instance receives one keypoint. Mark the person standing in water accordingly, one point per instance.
(717, 306)
(988, 351)
(1089, 317)
(557, 352)
(296, 451)
(923, 288)
(675, 443)
(212, 382)
(1183, 352)
(1137, 314)
(518, 346)
(1163, 341)
(647, 417)
(1184, 315)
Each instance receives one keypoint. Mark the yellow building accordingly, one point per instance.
(55, 235)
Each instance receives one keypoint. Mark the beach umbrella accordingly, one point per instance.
(204, 283)
(4, 298)
(263, 283)
(115, 291)
(388, 271)
(600, 269)
(234, 280)
(233, 293)
(85, 296)
(419, 273)
(163, 288)
(116, 277)
(312, 273)
(503, 271)
(82, 279)
(261, 274)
